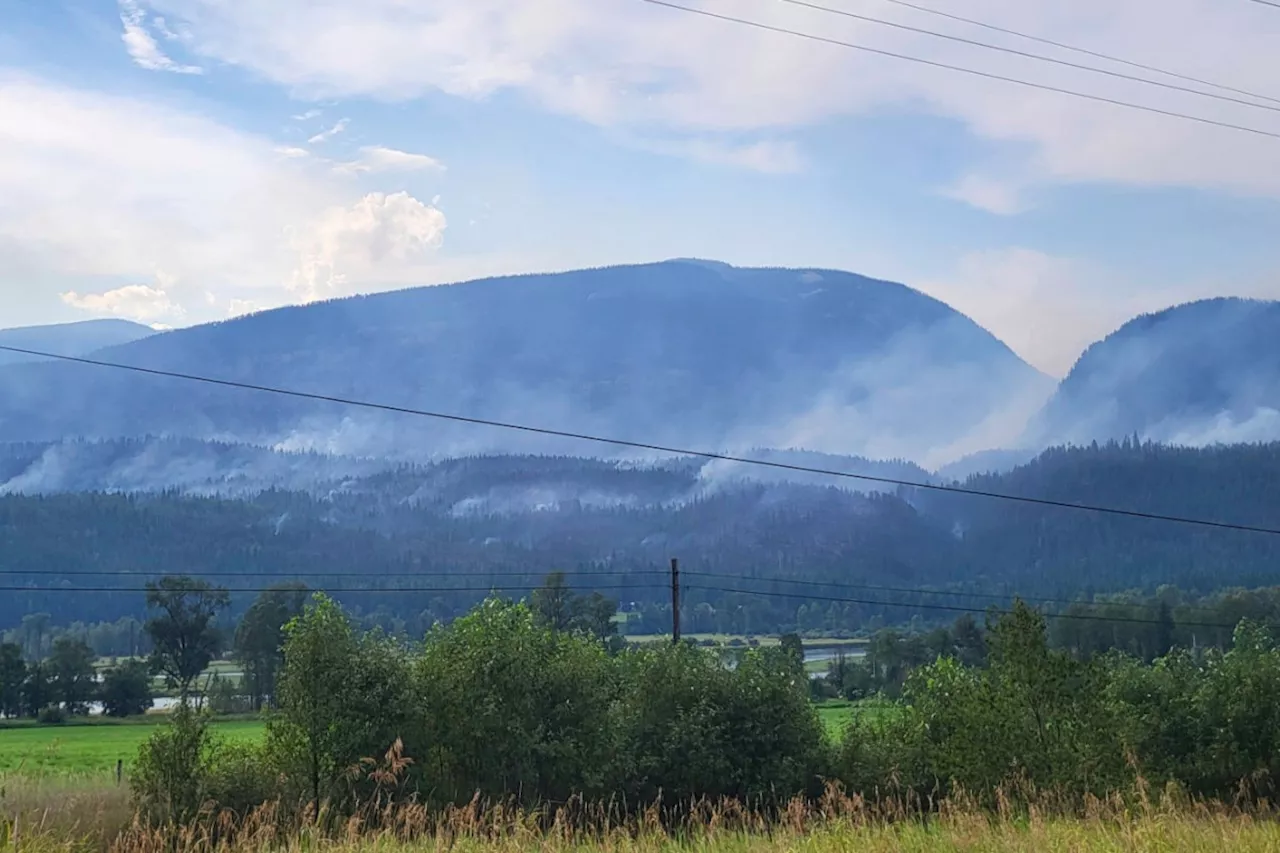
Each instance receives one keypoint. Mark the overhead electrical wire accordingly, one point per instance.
(988, 75)
(1039, 57)
(484, 590)
(1087, 617)
(579, 578)
(372, 590)
(942, 593)
(285, 577)
(656, 448)
(929, 10)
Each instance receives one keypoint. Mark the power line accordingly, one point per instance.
(656, 448)
(939, 592)
(962, 69)
(492, 589)
(1096, 54)
(481, 590)
(1088, 617)
(1039, 57)
(1268, 3)
(284, 577)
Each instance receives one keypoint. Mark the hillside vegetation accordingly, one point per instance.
(505, 522)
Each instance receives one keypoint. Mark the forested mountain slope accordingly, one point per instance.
(69, 338)
(1198, 373)
(682, 353)
(473, 523)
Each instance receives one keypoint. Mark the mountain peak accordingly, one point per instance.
(74, 339)
(695, 355)
(1195, 373)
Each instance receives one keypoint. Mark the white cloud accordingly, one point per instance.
(307, 116)
(376, 158)
(142, 46)
(326, 135)
(138, 302)
(292, 152)
(358, 240)
(632, 65)
(1003, 198)
(769, 156)
(96, 188)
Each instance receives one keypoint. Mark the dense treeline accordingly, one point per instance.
(504, 522)
(502, 704)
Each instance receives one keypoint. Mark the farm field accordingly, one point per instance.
(836, 713)
(727, 639)
(91, 748)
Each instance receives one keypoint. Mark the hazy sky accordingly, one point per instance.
(179, 161)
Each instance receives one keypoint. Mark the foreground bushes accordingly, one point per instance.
(501, 706)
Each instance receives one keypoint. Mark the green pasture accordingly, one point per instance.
(77, 749)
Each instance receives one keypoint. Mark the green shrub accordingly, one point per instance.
(510, 706)
(689, 727)
(170, 779)
(52, 715)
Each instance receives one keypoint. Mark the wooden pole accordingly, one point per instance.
(675, 601)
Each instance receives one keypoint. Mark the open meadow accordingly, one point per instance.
(86, 749)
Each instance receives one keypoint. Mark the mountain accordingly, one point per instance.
(192, 467)
(1199, 373)
(680, 353)
(69, 338)
(748, 548)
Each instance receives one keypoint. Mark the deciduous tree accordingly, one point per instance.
(183, 632)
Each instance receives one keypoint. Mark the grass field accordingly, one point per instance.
(836, 713)
(85, 750)
(89, 748)
(726, 639)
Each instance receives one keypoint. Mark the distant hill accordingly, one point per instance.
(493, 483)
(985, 462)
(1199, 373)
(478, 523)
(69, 338)
(679, 353)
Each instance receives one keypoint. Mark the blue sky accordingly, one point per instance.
(180, 161)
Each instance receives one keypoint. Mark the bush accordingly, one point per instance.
(689, 727)
(512, 707)
(170, 779)
(241, 776)
(52, 715)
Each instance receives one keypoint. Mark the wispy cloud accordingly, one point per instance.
(325, 135)
(139, 302)
(1003, 198)
(376, 158)
(307, 116)
(142, 46)
(636, 68)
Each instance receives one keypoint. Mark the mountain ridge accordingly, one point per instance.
(680, 353)
(72, 339)
(1194, 373)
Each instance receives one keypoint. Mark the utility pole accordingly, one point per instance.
(675, 601)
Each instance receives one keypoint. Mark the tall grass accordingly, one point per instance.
(61, 811)
(72, 819)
